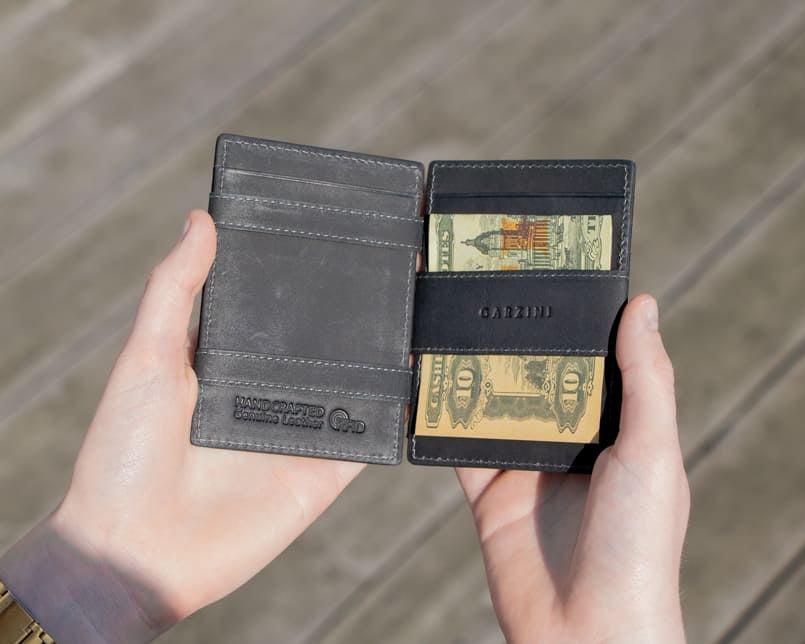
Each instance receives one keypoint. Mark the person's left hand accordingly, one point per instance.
(153, 528)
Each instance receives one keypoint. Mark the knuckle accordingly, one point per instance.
(157, 276)
(664, 367)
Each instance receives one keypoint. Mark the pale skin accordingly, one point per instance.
(153, 528)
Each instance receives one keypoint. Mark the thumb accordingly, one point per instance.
(648, 412)
(160, 328)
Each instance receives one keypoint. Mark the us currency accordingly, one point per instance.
(547, 398)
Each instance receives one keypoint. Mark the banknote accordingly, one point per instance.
(545, 398)
(519, 242)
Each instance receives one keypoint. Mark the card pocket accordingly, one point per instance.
(316, 221)
(318, 191)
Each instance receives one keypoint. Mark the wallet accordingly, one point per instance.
(313, 305)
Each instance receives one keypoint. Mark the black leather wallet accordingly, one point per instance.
(571, 315)
(312, 306)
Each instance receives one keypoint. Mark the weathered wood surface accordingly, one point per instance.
(116, 110)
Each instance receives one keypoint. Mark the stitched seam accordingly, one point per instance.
(198, 410)
(395, 443)
(624, 216)
(223, 167)
(329, 155)
(322, 390)
(536, 275)
(291, 448)
(524, 166)
(442, 459)
(311, 361)
(308, 233)
(319, 207)
(262, 174)
(496, 350)
(409, 280)
(209, 304)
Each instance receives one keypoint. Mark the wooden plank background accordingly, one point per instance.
(108, 114)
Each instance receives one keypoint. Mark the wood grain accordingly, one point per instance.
(106, 140)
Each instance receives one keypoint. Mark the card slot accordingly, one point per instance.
(316, 221)
(340, 195)
(327, 165)
(565, 177)
(528, 204)
(306, 374)
(315, 181)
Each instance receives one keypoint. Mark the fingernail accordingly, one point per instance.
(186, 227)
(652, 314)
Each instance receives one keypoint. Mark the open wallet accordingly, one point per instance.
(313, 307)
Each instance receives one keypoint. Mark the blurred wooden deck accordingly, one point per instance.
(108, 114)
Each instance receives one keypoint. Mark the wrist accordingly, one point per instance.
(78, 595)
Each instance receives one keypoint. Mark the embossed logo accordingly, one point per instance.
(515, 311)
(340, 421)
(278, 412)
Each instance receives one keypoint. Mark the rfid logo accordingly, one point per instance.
(341, 422)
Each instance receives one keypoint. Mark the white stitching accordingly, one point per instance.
(268, 385)
(209, 304)
(624, 216)
(459, 461)
(223, 168)
(498, 350)
(308, 233)
(291, 449)
(536, 275)
(331, 155)
(405, 331)
(395, 447)
(318, 182)
(311, 206)
(318, 363)
(525, 166)
(197, 431)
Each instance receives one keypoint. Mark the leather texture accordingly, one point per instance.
(519, 312)
(453, 314)
(306, 315)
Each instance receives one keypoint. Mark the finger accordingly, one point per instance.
(648, 411)
(160, 327)
(474, 480)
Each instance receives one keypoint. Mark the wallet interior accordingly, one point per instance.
(585, 305)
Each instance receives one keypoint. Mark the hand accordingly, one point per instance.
(571, 558)
(153, 528)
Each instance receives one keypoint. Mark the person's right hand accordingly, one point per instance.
(572, 558)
